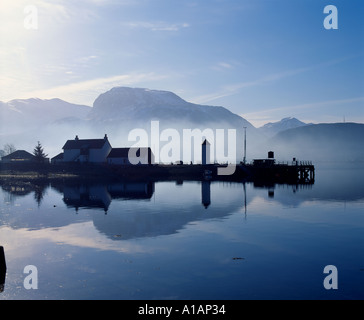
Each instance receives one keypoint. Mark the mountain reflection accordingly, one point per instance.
(132, 215)
(130, 206)
(123, 210)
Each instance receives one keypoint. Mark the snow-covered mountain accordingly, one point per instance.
(139, 105)
(272, 128)
(122, 109)
(125, 106)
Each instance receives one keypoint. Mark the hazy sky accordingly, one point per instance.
(261, 59)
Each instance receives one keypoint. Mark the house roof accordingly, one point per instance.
(84, 144)
(58, 156)
(124, 152)
(19, 154)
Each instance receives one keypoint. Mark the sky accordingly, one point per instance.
(262, 59)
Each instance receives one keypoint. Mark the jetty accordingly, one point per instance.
(289, 171)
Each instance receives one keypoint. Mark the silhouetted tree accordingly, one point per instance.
(9, 148)
(39, 154)
(39, 191)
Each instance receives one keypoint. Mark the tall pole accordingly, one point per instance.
(244, 160)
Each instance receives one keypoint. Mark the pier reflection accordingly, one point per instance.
(271, 187)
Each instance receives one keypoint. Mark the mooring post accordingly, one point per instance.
(2, 268)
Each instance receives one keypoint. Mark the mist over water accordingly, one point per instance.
(324, 142)
(121, 110)
(55, 136)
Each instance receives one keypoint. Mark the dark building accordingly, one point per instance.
(19, 156)
(130, 156)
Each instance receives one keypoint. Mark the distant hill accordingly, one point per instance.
(18, 116)
(329, 142)
(272, 128)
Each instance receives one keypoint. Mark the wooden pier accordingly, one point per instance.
(295, 171)
(305, 172)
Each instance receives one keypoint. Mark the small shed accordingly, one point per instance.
(19, 156)
(57, 159)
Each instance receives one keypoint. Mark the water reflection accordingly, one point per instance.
(133, 211)
(164, 216)
(23, 188)
(180, 238)
(88, 196)
(206, 193)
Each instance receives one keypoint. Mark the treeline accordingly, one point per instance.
(38, 152)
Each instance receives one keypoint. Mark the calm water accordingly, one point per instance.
(190, 240)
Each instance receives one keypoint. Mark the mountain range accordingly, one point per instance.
(272, 128)
(121, 109)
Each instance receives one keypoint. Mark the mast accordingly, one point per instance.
(244, 159)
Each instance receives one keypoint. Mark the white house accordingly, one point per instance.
(86, 150)
(130, 156)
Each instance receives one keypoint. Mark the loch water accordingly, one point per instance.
(187, 240)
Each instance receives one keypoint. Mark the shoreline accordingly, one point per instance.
(101, 173)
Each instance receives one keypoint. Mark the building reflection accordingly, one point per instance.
(206, 193)
(172, 208)
(100, 195)
(82, 194)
